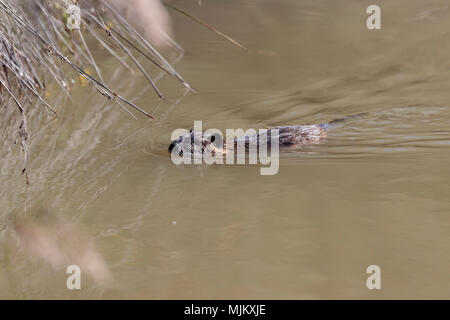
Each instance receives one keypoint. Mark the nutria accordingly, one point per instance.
(288, 137)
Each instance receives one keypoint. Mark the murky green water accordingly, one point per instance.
(103, 187)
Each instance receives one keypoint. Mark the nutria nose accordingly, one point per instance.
(172, 145)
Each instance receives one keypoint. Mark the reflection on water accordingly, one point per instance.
(376, 192)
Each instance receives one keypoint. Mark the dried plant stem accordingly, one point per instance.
(102, 88)
(23, 130)
(211, 28)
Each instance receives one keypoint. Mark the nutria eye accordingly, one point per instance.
(180, 153)
(213, 138)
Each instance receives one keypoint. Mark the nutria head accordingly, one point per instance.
(185, 143)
